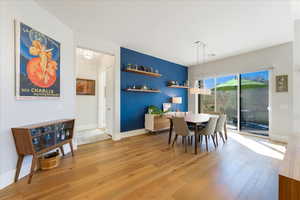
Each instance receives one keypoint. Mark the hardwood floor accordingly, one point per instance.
(145, 167)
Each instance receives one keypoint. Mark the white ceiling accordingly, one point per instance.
(168, 29)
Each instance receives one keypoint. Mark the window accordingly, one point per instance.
(226, 98)
(207, 102)
(244, 98)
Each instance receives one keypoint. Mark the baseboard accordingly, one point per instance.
(133, 133)
(86, 127)
(8, 177)
(279, 138)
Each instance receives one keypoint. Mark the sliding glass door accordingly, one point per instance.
(226, 98)
(207, 102)
(254, 98)
(244, 98)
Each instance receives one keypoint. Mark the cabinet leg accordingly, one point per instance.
(62, 150)
(19, 165)
(33, 165)
(71, 146)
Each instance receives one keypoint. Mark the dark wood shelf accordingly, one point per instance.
(143, 72)
(141, 90)
(178, 86)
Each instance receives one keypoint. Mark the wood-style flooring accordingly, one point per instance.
(145, 167)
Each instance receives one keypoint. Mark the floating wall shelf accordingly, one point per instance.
(143, 72)
(178, 86)
(142, 90)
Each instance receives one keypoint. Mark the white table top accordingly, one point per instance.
(197, 118)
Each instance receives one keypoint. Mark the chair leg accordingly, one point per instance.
(201, 139)
(213, 139)
(185, 144)
(216, 136)
(225, 130)
(206, 143)
(175, 139)
(221, 135)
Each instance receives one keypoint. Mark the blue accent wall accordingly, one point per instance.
(134, 105)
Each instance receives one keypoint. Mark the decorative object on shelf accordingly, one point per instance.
(175, 84)
(37, 64)
(130, 66)
(170, 83)
(167, 107)
(144, 87)
(186, 83)
(38, 139)
(85, 87)
(282, 83)
(154, 110)
(177, 100)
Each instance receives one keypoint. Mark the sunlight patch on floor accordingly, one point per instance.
(263, 148)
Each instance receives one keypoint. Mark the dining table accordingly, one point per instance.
(194, 120)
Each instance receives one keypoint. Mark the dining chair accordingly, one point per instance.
(220, 128)
(209, 131)
(181, 129)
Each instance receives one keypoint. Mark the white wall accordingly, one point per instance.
(2, 40)
(281, 58)
(15, 113)
(87, 105)
(296, 80)
(94, 42)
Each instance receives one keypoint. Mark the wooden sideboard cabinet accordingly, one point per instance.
(154, 123)
(37, 139)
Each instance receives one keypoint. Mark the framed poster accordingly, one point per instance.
(282, 83)
(85, 87)
(37, 64)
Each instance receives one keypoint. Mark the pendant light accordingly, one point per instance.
(196, 90)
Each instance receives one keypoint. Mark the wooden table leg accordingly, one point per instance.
(196, 139)
(71, 146)
(171, 130)
(19, 165)
(62, 150)
(225, 130)
(33, 165)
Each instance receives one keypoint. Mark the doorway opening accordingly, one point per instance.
(94, 110)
